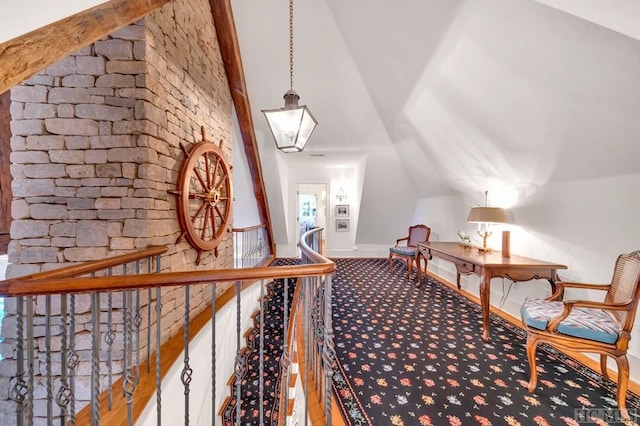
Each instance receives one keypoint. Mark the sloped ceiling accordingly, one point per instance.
(470, 95)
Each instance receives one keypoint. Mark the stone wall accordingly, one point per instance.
(95, 150)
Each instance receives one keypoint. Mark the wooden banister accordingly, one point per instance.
(42, 286)
(98, 265)
(250, 228)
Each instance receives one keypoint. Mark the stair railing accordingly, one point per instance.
(250, 246)
(94, 334)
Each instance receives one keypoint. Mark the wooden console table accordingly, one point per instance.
(487, 265)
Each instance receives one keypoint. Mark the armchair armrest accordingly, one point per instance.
(562, 285)
(401, 239)
(588, 286)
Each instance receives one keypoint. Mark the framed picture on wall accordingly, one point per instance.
(342, 210)
(342, 225)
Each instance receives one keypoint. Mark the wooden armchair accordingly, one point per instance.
(588, 326)
(408, 250)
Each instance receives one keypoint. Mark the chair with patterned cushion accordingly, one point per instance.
(588, 326)
(406, 249)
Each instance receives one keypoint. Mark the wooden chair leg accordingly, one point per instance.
(623, 383)
(390, 262)
(532, 345)
(410, 267)
(603, 367)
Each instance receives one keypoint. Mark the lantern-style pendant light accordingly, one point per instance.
(292, 125)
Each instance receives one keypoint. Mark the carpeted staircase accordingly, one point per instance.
(273, 345)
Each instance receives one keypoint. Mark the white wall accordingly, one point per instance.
(582, 224)
(245, 208)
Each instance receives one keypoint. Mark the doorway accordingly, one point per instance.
(311, 208)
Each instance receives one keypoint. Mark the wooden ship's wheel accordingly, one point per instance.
(204, 196)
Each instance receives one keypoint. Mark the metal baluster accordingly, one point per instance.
(95, 359)
(285, 360)
(213, 352)
(30, 371)
(186, 369)
(239, 362)
(137, 322)
(63, 396)
(261, 367)
(73, 358)
(47, 356)
(244, 250)
(307, 346)
(329, 352)
(129, 381)
(158, 349)
(109, 338)
(149, 264)
(19, 389)
(236, 249)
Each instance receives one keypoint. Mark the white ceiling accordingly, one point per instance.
(18, 17)
(462, 96)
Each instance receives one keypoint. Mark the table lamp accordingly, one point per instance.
(485, 216)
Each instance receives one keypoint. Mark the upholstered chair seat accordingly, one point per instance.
(586, 323)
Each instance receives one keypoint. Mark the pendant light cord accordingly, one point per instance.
(291, 44)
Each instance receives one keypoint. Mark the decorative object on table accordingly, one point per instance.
(342, 210)
(466, 240)
(506, 244)
(485, 217)
(587, 325)
(406, 249)
(342, 225)
(292, 125)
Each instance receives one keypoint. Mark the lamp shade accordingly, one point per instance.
(487, 215)
(292, 125)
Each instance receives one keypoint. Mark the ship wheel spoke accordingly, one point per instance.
(197, 213)
(196, 172)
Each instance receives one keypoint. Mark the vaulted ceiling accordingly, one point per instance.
(460, 95)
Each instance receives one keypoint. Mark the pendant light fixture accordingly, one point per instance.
(292, 125)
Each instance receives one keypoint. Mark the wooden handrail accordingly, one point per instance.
(99, 265)
(250, 228)
(39, 286)
(58, 282)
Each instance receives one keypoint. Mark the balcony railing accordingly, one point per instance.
(250, 246)
(95, 343)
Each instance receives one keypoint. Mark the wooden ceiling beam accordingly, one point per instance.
(230, 50)
(28, 54)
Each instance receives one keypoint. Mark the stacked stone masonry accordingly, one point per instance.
(96, 148)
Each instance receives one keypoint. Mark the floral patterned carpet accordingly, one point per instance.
(408, 356)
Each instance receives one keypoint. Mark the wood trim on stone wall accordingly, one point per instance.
(28, 54)
(230, 50)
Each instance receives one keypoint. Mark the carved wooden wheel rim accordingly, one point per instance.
(204, 196)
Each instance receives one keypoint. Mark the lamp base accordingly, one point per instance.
(485, 249)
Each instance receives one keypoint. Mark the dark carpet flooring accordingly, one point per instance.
(408, 356)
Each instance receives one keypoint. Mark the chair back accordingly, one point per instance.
(625, 287)
(418, 234)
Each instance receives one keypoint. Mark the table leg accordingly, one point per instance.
(485, 291)
(419, 283)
